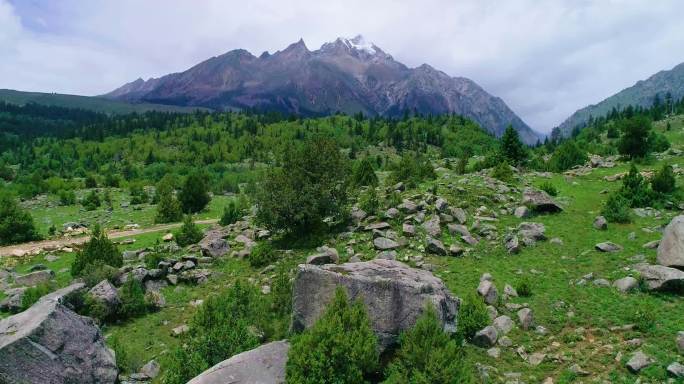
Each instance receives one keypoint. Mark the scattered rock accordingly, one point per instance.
(503, 324)
(539, 201)
(522, 212)
(639, 361)
(512, 244)
(680, 342)
(626, 284)
(383, 244)
(435, 246)
(608, 247)
(671, 248)
(432, 227)
(510, 291)
(105, 293)
(151, 369)
(34, 278)
(601, 223)
(526, 319)
(408, 230)
(488, 291)
(213, 244)
(661, 278)
(179, 330)
(168, 237)
(455, 250)
(264, 364)
(393, 293)
(676, 369)
(486, 337)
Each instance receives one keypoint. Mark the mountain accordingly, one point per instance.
(95, 104)
(643, 94)
(346, 75)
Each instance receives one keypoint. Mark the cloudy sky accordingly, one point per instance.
(544, 58)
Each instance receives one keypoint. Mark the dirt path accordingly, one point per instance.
(37, 246)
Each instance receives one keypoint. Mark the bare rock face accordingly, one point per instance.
(671, 247)
(262, 365)
(539, 201)
(50, 344)
(394, 295)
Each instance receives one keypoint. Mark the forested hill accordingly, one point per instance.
(43, 145)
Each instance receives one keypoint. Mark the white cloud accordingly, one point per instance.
(545, 59)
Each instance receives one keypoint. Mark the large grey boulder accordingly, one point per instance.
(50, 344)
(262, 365)
(394, 295)
(105, 293)
(671, 247)
(34, 278)
(539, 201)
(14, 299)
(486, 337)
(660, 278)
(432, 227)
(213, 244)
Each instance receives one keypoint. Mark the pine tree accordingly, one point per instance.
(512, 148)
(168, 207)
(194, 195)
(364, 174)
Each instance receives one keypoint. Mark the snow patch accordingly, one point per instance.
(360, 44)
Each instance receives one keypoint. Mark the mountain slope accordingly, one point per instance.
(95, 104)
(347, 75)
(641, 94)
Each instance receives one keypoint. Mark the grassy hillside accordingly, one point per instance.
(95, 104)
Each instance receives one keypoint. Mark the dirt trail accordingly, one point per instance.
(37, 246)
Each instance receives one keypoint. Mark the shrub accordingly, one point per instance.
(310, 186)
(369, 202)
(90, 182)
(635, 189)
(152, 259)
(524, 287)
(66, 197)
(616, 209)
(262, 254)
(339, 348)
(461, 165)
(138, 194)
(664, 181)
(231, 214)
(363, 174)
(189, 233)
(92, 201)
(281, 290)
(502, 172)
(613, 132)
(221, 328)
(644, 317)
(393, 199)
(412, 169)
(98, 249)
(657, 142)
(33, 294)
(168, 207)
(194, 195)
(132, 295)
(95, 272)
(16, 224)
(549, 188)
(428, 355)
(635, 133)
(566, 156)
(472, 317)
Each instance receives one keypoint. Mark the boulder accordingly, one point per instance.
(34, 278)
(459, 214)
(639, 361)
(455, 250)
(392, 213)
(394, 295)
(626, 284)
(526, 318)
(14, 299)
(262, 365)
(325, 255)
(432, 227)
(680, 342)
(532, 231)
(435, 246)
(384, 244)
(607, 246)
(441, 205)
(486, 337)
(676, 370)
(105, 293)
(671, 248)
(488, 291)
(213, 244)
(600, 223)
(407, 206)
(522, 212)
(503, 324)
(48, 343)
(358, 214)
(661, 278)
(539, 201)
(151, 369)
(512, 244)
(408, 230)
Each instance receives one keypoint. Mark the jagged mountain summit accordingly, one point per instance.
(642, 94)
(346, 75)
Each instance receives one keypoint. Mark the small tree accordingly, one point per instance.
(363, 174)
(262, 255)
(664, 181)
(194, 194)
(231, 213)
(616, 209)
(168, 208)
(99, 249)
(567, 155)
(339, 348)
(369, 201)
(635, 133)
(189, 233)
(472, 316)
(635, 189)
(429, 355)
(512, 149)
(16, 225)
(91, 201)
(132, 296)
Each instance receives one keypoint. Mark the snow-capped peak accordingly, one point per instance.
(360, 43)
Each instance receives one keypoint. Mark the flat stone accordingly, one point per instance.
(383, 244)
(639, 361)
(607, 246)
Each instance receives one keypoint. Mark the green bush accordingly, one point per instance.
(664, 180)
(549, 188)
(644, 317)
(310, 186)
(635, 134)
(566, 156)
(189, 233)
(616, 209)
(90, 182)
(412, 169)
(231, 214)
(472, 316)
(92, 201)
(194, 195)
(66, 197)
(369, 202)
(168, 207)
(33, 294)
(658, 142)
(363, 174)
(132, 296)
(428, 355)
(152, 259)
(340, 348)
(461, 165)
(221, 327)
(524, 287)
(262, 255)
(636, 190)
(502, 172)
(281, 291)
(138, 194)
(95, 272)
(98, 249)
(16, 224)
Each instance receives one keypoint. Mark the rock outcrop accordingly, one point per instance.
(262, 365)
(671, 247)
(50, 344)
(539, 201)
(394, 295)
